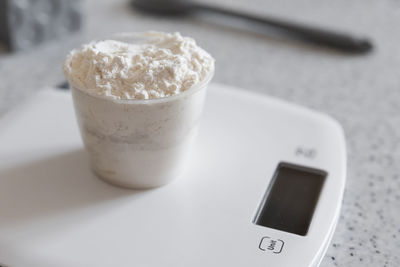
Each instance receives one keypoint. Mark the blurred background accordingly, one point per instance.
(361, 90)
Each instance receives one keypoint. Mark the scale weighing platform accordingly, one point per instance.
(263, 188)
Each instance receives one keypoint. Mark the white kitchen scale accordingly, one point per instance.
(263, 188)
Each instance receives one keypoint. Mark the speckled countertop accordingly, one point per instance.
(361, 92)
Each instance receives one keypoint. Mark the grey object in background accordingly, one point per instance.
(27, 23)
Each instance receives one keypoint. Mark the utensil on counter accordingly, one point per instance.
(64, 85)
(316, 35)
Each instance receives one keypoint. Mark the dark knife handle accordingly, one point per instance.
(312, 34)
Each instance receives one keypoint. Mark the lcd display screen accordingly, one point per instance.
(291, 198)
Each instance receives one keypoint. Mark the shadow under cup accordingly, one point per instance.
(139, 143)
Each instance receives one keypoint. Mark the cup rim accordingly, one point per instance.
(195, 88)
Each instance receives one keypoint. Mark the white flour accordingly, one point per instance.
(139, 144)
(165, 65)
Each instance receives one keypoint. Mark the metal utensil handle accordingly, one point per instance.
(317, 35)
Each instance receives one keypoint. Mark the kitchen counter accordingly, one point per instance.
(361, 91)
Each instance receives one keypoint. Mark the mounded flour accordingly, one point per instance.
(165, 64)
(139, 144)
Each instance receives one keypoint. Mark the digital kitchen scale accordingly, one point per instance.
(263, 188)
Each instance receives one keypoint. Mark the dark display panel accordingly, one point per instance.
(291, 198)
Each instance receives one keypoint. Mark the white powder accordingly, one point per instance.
(139, 144)
(164, 65)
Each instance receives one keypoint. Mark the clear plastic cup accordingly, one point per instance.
(139, 143)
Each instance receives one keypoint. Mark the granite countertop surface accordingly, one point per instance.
(361, 91)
